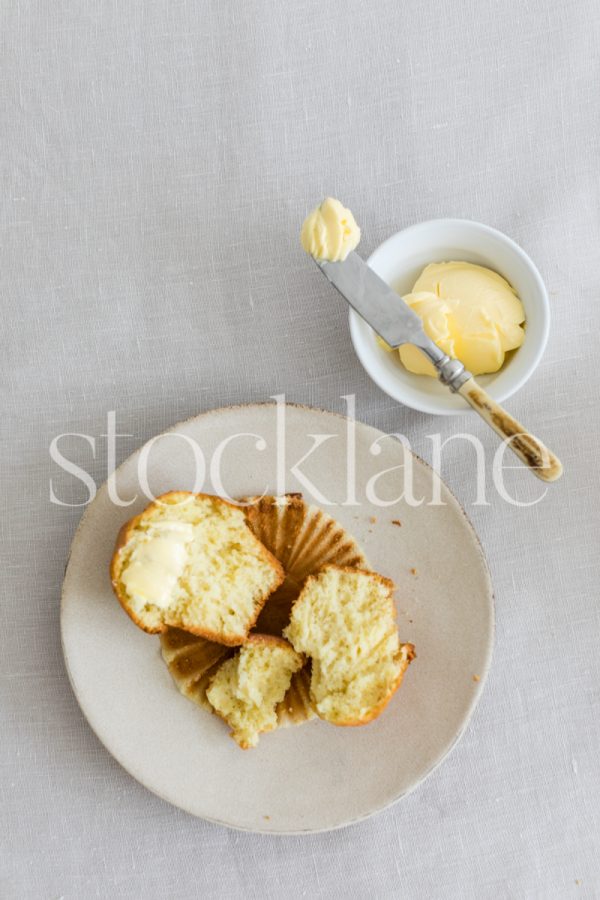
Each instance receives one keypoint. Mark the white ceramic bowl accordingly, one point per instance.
(400, 260)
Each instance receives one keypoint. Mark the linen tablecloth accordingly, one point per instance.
(158, 159)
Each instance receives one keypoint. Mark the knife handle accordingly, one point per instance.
(541, 461)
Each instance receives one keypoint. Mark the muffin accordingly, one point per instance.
(192, 662)
(344, 620)
(247, 689)
(191, 561)
(303, 539)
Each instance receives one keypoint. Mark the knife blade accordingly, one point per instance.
(375, 302)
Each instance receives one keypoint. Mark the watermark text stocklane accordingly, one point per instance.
(309, 471)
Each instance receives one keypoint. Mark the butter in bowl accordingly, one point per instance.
(481, 299)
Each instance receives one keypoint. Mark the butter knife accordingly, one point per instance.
(393, 320)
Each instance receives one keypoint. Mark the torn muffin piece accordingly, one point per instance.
(345, 621)
(248, 688)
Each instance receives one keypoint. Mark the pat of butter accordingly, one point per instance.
(156, 564)
(330, 231)
(470, 312)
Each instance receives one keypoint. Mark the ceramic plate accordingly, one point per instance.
(312, 777)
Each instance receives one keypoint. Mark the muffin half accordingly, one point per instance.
(345, 621)
(191, 561)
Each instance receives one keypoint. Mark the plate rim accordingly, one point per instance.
(477, 694)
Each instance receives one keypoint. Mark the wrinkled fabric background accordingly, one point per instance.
(157, 162)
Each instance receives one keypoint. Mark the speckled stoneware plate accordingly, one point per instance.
(316, 776)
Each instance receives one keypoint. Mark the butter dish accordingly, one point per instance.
(401, 259)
